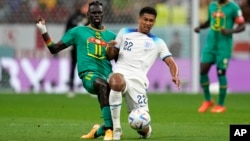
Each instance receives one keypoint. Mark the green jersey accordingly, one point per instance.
(222, 16)
(91, 48)
(218, 48)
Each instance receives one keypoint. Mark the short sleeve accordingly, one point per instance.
(238, 16)
(163, 49)
(118, 38)
(68, 37)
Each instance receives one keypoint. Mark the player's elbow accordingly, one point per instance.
(240, 28)
(111, 53)
(109, 57)
(243, 27)
(53, 51)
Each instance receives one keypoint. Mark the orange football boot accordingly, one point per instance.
(91, 134)
(218, 109)
(205, 105)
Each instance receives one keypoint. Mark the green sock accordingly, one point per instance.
(204, 82)
(223, 89)
(106, 114)
(100, 131)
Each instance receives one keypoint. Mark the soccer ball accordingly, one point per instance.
(139, 119)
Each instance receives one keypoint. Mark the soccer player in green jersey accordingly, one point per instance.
(222, 15)
(93, 66)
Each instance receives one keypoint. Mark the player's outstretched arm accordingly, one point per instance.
(53, 47)
(111, 51)
(173, 70)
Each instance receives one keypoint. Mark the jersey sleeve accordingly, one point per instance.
(68, 37)
(163, 49)
(119, 39)
(238, 16)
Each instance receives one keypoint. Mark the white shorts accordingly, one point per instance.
(135, 94)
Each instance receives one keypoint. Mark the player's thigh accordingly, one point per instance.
(224, 54)
(225, 45)
(136, 95)
(88, 81)
(208, 52)
(208, 56)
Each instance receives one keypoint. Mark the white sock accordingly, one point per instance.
(115, 101)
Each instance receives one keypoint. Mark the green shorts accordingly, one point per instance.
(219, 60)
(217, 51)
(88, 79)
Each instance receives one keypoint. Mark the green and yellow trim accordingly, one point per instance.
(49, 43)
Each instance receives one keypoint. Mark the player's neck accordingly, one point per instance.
(222, 2)
(138, 30)
(98, 27)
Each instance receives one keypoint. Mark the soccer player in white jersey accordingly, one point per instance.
(137, 50)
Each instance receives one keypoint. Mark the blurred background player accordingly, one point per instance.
(138, 49)
(222, 15)
(93, 66)
(77, 18)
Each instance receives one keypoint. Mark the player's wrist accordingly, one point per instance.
(41, 27)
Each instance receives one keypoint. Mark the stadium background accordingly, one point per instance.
(27, 66)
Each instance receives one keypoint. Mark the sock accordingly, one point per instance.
(100, 131)
(106, 114)
(115, 101)
(204, 81)
(223, 89)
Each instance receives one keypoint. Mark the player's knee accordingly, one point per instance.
(117, 82)
(204, 68)
(221, 72)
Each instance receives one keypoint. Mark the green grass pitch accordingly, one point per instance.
(45, 117)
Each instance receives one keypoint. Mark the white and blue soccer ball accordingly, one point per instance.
(139, 119)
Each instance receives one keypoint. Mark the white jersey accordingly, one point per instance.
(137, 53)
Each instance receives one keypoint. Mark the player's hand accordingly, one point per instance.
(177, 82)
(225, 31)
(40, 24)
(197, 29)
(112, 43)
(40, 19)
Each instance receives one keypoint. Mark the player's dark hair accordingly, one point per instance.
(148, 10)
(97, 3)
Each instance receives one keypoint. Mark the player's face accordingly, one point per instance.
(146, 22)
(95, 15)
